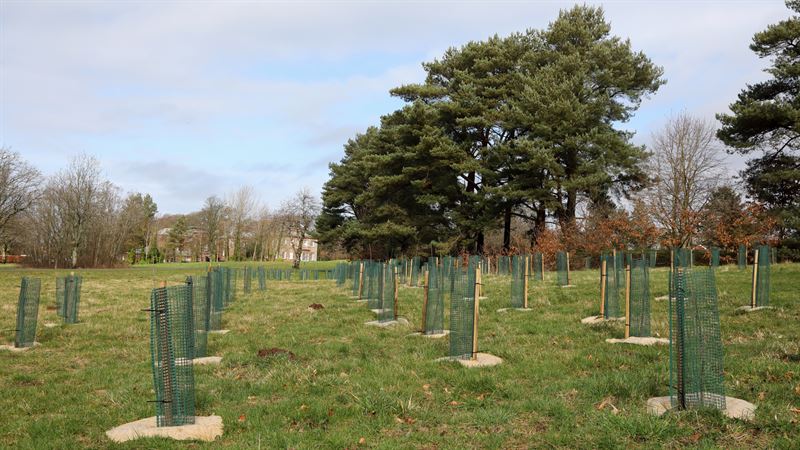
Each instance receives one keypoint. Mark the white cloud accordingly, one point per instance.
(136, 82)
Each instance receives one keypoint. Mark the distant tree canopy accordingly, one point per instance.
(765, 119)
(520, 127)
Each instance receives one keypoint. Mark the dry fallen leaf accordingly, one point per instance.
(762, 395)
(241, 418)
(607, 403)
(795, 410)
(695, 438)
(362, 441)
(454, 403)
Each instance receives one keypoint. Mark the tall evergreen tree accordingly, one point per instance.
(764, 119)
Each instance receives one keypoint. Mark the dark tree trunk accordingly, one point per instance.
(507, 229)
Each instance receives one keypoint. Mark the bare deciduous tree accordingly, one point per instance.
(302, 211)
(686, 163)
(77, 188)
(19, 189)
(241, 205)
(211, 220)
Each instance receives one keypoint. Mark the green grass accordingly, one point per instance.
(355, 386)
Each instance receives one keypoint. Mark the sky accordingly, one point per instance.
(188, 99)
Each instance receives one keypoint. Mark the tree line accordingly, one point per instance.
(513, 140)
(75, 218)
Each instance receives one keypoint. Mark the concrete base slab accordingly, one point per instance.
(219, 331)
(204, 428)
(735, 408)
(11, 348)
(388, 323)
(663, 297)
(481, 360)
(207, 361)
(749, 309)
(50, 325)
(377, 311)
(361, 301)
(637, 340)
(594, 320)
(433, 335)
(502, 310)
(568, 286)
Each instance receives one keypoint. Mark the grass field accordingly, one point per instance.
(352, 386)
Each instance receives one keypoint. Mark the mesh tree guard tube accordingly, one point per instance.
(415, 268)
(171, 350)
(387, 293)
(639, 299)
(761, 284)
(462, 316)
(611, 303)
(519, 282)
(714, 256)
(741, 256)
(538, 266)
(503, 264)
(248, 276)
(262, 279)
(27, 312)
(200, 311)
(373, 280)
(68, 295)
(696, 376)
(561, 266)
(433, 304)
(216, 287)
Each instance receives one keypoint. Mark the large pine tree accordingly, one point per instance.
(765, 119)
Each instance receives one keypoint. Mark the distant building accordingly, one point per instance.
(289, 245)
(195, 248)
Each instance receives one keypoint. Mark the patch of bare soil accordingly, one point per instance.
(316, 306)
(274, 351)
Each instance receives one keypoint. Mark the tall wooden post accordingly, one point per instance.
(360, 279)
(525, 284)
(396, 287)
(603, 281)
(475, 316)
(568, 283)
(425, 303)
(627, 301)
(755, 279)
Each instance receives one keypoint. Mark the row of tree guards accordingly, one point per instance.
(67, 299)
(181, 318)
(696, 376)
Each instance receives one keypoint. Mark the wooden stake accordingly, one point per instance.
(360, 279)
(396, 287)
(525, 284)
(755, 279)
(671, 272)
(475, 317)
(627, 301)
(603, 276)
(478, 279)
(568, 283)
(425, 303)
